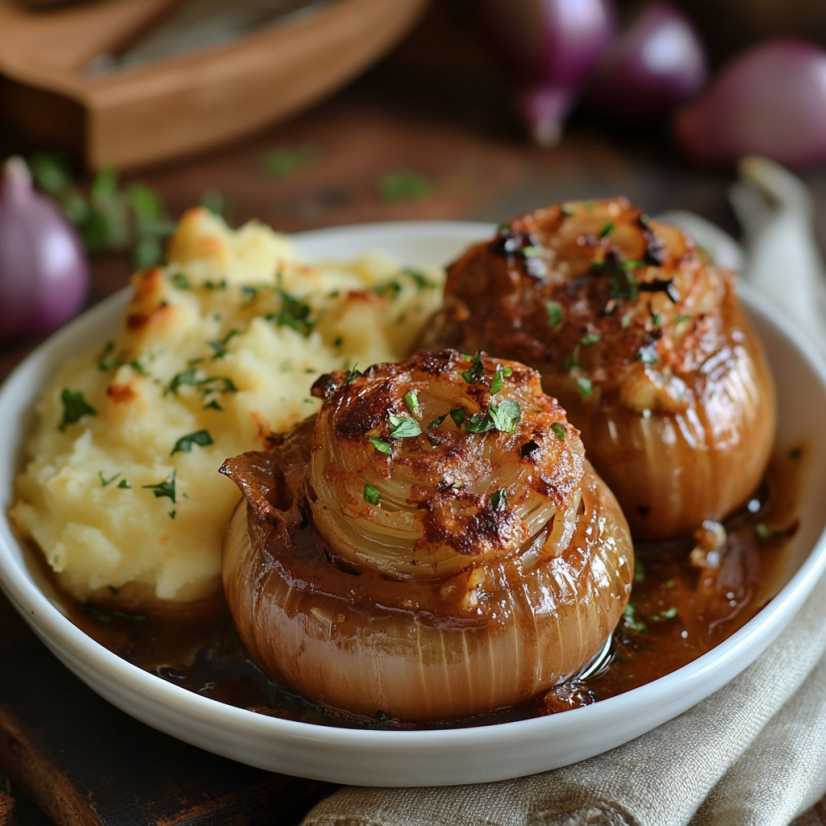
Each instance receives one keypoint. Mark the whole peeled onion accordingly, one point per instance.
(44, 276)
(432, 545)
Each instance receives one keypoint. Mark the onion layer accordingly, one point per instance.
(419, 611)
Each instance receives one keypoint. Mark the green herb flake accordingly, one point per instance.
(104, 482)
(583, 384)
(421, 281)
(284, 160)
(124, 485)
(219, 345)
(401, 427)
(630, 621)
(682, 318)
(180, 281)
(656, 320)
(606, 230)
(498, 380)
(188, 377)
(380, 445)
(185, 443)
(555, 313)
(499, 500)
(437, 422)
(664, 616)
(505, 415)
(75, 407)
(590, 338)
(107, 360)
(475, 371)
(403, 185)
(458, 414)
(372, 495)
(294, 313)
(352, 374)
(338, 342)
(559, 431)
(531, 251)
(411, 401)
(166, 488)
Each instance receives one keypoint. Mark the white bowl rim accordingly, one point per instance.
(52, 624)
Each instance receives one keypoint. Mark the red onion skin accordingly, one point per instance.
(550, 47)
(656, 64)
(769, 101)
(44, 276)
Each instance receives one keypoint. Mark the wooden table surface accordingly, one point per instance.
(435, 107)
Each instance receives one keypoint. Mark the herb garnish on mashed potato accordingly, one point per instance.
(217, 350)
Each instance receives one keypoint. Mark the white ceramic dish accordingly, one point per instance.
(383, 758)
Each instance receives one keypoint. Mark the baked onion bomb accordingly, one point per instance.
(641, 338)
(432, 544)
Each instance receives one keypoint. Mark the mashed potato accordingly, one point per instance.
(218, 349)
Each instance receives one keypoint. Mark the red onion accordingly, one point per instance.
(770, 101)
(43, 272)
(550, 47)
(657, 63)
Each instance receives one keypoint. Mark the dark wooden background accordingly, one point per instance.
(437, 107)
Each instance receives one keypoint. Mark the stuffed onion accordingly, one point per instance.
(432, 544)
(644, 343)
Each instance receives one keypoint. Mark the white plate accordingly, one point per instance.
(387, 758)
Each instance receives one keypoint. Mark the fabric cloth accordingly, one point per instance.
(754, 753)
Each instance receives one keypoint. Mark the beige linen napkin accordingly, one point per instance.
(754, 753)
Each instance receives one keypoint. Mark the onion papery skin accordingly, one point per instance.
(356, 646)
(671, 390)
(475, 602)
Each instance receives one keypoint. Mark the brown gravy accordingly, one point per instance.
(678, 611)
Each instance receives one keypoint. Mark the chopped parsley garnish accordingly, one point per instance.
(219, 345)
(124, 484)
(639, 571)
(630, 621)
(221, 284)
(179, 280)
(213, 404)
(107, 360)
(403, 185)
(590, 338)
(166, 488)
(682, 317)
(437, 422)
(294, 313)
(555, 313)
(498, 380)
(185, 377)
(380, 445)
(583, 384)
(75, 407)
(664, 616)
(421, 281)
(499, 500)
(505, 415)
(606, 230)
(559, 431)
(352, 374)
(206, 386)
(475, 371)
(285, 160)
(338, 341)
(104, 482)
(372, 494)
(391, 289)
(411, 401)
(458, 414)
(656, 320)
(185, 443)
(403, 427)
(531, 251)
